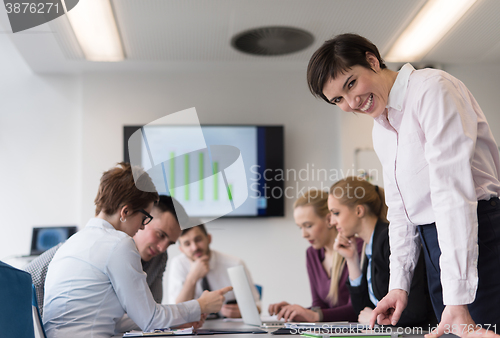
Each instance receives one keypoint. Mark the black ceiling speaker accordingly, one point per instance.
(269, 41)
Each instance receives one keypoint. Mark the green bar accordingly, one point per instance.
(230, 192)
(172, 174)
(216, 181)
(201, 165)
(186, 177)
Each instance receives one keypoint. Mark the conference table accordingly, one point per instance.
(222, 324)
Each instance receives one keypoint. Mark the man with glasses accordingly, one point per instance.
(161, 229)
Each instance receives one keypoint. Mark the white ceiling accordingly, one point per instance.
(195, 34)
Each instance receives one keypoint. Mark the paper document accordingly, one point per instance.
(159, 332)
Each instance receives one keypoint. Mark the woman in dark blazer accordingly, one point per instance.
(358, 210)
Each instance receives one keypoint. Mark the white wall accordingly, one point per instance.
(484, 83)
(272, 248)
(39, 151)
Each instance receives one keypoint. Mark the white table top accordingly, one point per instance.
(237, 324)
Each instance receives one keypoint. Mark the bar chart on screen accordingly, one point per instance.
(212, 171)
(209, 185)
(204, 180)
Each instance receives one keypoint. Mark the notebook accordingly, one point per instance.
(159, 332)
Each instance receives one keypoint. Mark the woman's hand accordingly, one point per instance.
(364, 315)
(346, 247)
(455, 319)
(275, 308)
(298, 313)
(389, 309)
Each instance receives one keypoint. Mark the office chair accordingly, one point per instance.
(16, 319)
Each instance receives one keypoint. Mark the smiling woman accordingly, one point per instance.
(336, 57)
(352, 75)
(441, 173)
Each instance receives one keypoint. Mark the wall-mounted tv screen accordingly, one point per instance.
(262, 154)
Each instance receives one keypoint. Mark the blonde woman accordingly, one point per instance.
(326, 268)
(358, 210)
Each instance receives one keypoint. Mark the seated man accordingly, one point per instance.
(152, 244)
(200, 268)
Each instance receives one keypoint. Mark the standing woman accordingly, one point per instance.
(358, 209)
(326, 268)
(441, 168)
(96, 276)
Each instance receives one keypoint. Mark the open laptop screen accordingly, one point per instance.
(44, 238)
(243, 293)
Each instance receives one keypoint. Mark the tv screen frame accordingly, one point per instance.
(270, 153)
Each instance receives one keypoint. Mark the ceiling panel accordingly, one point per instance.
(63, 33)
(191, 30)
(473, 39)
(189, 34)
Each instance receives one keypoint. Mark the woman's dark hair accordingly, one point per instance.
(337, 56)
(117, 189)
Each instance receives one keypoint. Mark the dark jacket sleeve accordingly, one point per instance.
(359, 294)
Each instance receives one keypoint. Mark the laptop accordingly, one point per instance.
(243, 293)
(44, 238)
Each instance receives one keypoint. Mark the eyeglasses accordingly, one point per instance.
(148, 217)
